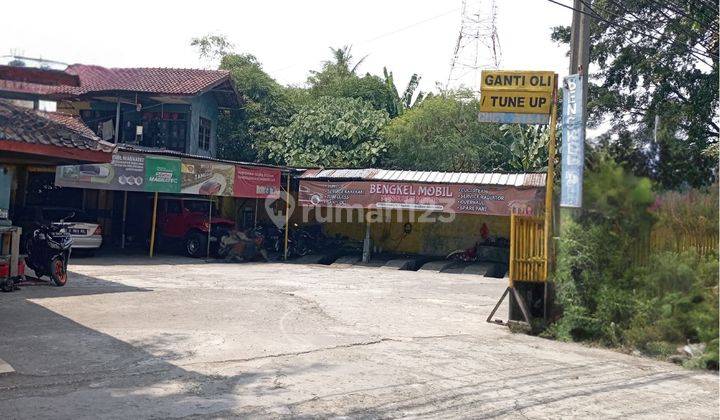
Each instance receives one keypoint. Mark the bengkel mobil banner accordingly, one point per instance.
(446, 198)
(254, 182)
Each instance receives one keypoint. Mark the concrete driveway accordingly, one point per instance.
(172, 337)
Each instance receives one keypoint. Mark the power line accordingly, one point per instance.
(596, 16)
(385, 35)
(616, 15)
(410, 26)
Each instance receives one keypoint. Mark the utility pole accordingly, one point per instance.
(580, 45)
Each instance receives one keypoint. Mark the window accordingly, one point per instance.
(165, 130)
(204, 134)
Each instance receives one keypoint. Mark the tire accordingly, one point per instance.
(58, 272)
(195, 245)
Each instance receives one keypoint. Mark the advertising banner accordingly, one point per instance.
(446, 198)
(136, 172)
(126, 172)
(255, 182)
(207, 178)
(162, 174)
(573, 145)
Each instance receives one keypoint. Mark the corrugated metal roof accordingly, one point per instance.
(124, 147)
(371, 174)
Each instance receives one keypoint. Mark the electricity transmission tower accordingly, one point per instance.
(477, 46)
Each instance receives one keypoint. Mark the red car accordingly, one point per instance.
(187, 220)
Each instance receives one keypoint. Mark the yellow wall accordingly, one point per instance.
(427, 237)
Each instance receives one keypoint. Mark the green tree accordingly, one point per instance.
(656, 59)
(331, 132)
(528, 147)
(408, 98)
(243, 133)
(442, 134)
(212, 46)
(338, 78)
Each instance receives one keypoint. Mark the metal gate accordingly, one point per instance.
(528, 259)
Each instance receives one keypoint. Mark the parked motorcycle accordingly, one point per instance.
(48, 251)
(243, 246)
(471, 254)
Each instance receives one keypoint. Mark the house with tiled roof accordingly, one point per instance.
(159, 108)
(99, 113)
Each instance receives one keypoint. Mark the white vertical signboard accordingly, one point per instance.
(573, 143)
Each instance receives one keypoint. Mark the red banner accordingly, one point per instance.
(255, 182)
(447, 198)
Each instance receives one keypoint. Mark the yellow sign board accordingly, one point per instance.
(518, 102)
(530, 81)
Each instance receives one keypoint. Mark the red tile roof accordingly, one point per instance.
(38, 89)
(47, 128)
(147, 80)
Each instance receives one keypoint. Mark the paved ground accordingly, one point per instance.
(178, 338)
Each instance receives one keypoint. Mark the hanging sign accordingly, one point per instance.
(516, 96)
(573, 145)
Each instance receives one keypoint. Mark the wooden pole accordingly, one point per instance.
(549, 184)
(513, 244)
(287, 215)
(210, 203)
(550, 177)
(117, 120)
(152, 230)
(124, 219)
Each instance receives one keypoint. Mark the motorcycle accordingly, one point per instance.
(471, 254)
(48, 251)
(237, 245)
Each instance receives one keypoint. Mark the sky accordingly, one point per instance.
(290, 38)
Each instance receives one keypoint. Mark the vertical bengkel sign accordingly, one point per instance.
(573, 145)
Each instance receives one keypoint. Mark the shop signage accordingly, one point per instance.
(573, 145)
(126, 172)
(446, 198)
(136, 172)
(207, 178)
(162, 174)
(516, 96)
(257, 182)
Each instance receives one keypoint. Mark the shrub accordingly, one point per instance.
(607, 297)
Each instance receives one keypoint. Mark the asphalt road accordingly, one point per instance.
(174, 337)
